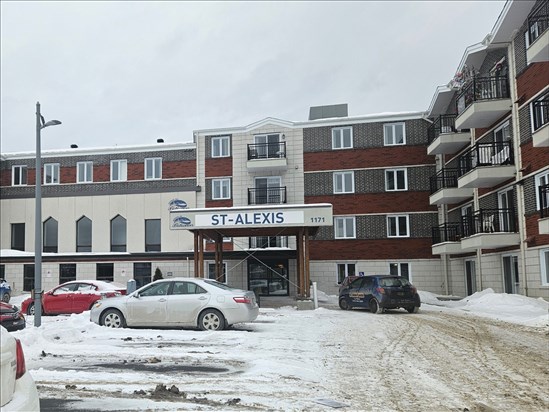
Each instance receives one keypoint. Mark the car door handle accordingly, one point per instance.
(202, 298)
(162, 300)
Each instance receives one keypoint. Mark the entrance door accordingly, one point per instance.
(470, 277)
(268, 277)
(511, 274)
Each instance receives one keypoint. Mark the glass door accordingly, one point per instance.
(511, 274)
(470, 277)
(506, 203)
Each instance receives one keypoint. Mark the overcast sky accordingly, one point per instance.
(123, 73)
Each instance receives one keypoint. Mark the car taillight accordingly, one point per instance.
(242, 299)
(21, 367)
(380, 290)
(414, 290)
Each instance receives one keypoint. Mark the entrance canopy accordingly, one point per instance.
(300, 221)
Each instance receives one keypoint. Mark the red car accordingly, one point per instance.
(76, 296)
(11, 317)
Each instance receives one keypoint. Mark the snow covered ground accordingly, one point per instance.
(487, 351)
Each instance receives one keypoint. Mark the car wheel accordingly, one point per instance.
(413, 309)
(6, 297)
(30, 309)
(343, 304)
(211, 319)
(112, 318)
(374, 306)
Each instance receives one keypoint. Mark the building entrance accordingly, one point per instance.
(268, 277)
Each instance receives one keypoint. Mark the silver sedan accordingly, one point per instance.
(178, 302)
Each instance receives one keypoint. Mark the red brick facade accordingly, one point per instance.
(532, 80)
(374, 249)
(222, 166)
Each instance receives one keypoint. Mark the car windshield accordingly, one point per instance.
(396, 281)
(218, 284)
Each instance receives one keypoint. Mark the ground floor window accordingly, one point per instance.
(67, 272)
(28, 278)
(268, 277)
(344, 270)
(544, 262)
(142, 272)
(211, 273)
(105, 271)
(400, 269)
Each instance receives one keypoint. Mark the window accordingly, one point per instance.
(118, 234)
(539, 112)
(104, 271)
(267, 146)
(84, 172)
(267, 190)
(396, 179)
(544, 262)
(185, 288)
(28, 277)
(51, 174)
(84, 234)
(142, 273)
(18, 236)
(400, 269)
(398, 226)
(541, 180)
(50, 235)
(19, 175)
(342, 138)
(221, 189)
(344, 270)
(268, 241)
(344, 227)
(211, 273)
(344, 182)
(220, 146)
(153, 168)
(152, 235)
(67, 272)
(394, 134)
(119, 170)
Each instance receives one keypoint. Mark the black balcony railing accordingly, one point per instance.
(445, 178)
(540, 112)
(482, 88)
(267, 150)
(445, 123)
(489, 221)
(265, 196)
(447, 232)
(544, 200)
(486, 154)
(538, 21)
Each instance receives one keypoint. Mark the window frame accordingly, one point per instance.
(395, 178)
(86, 165)
(81, 247)
(153, 247)
(13, 234)
(211, 265)
(114, 247)
(217, 147)
(20, 174)
(55, 168)
(346, 271)
(341, 139)
(50, 225)
(153, 176)
(537, 183)
(344, 235)
(119, 163)
(342, 175)
(541, 97)
(397, 226)
(544, 266)
(399, 269)
(393, 126)
(222, 182)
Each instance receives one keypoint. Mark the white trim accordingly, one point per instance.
(397, 217)
(543, 256)
(154, 177)
(221, 182)
(219, 140)
(341, 139)
(400, 269)
(537, 184)
(343, 190)
(345, 234)
(392, 126)
(19, 173)
(55, 168)
(119, 162)
(395, 177)
(87, 179)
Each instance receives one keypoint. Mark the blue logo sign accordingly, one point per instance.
(181, 221)
(176, 204)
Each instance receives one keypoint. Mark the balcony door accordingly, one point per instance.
(267, 146)
(467, 228)
(267, 190)
(502, 136)
(511, 274)
(506, 204)
(470, 277)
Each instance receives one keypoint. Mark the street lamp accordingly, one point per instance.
(40, 124)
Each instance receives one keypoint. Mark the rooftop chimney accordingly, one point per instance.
(327, 112)
(74, 146)
(159, 140)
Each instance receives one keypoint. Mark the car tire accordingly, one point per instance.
(374, 306)
(30, 309)
(413, 309)
(344, 305)
(6, 297)
(211, 319)
(113, 318)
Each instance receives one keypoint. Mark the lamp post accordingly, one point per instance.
(40, 124)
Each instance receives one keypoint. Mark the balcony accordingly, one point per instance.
(267, 196)
(444, 188)
(446, 239)
(267, 156)
(540, 117)
(486, 165)
(543, 221)
(489, 229)
(444, 138)
(482, 101)
(538, 35)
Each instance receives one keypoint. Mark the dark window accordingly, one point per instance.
(18, 236)
(50, 235)
(67, 272)
(28, 278)
(211, 273)
(152, 235)
(3, 272)
(84, 235)
(142, 274)
(105, 271)
(187, 288)
(118, 234)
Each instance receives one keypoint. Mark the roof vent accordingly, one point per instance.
(327, 112)
(74, 146)
(159, 140)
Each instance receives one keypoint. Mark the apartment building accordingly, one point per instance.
(490, 136)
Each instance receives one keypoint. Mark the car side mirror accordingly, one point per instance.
(136, 295)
